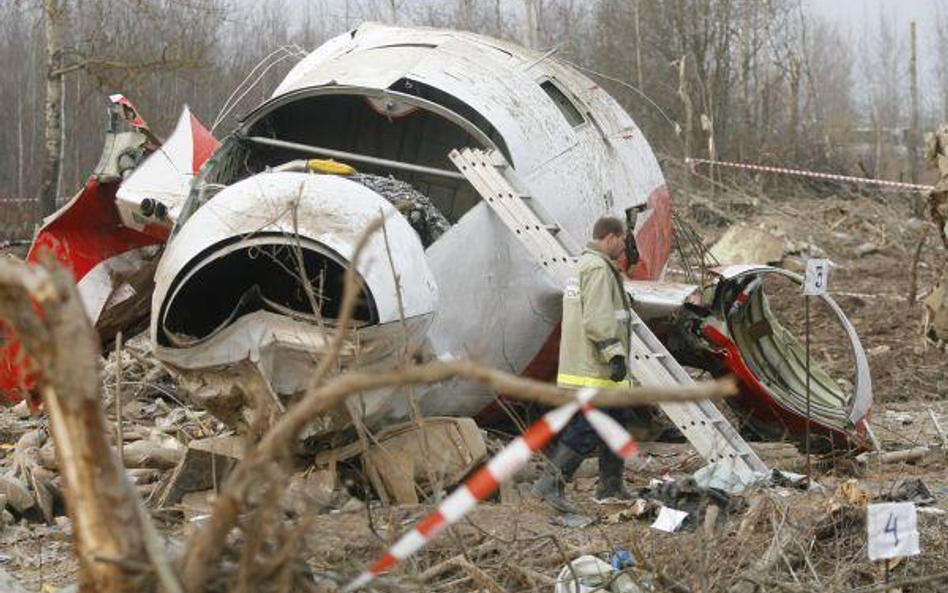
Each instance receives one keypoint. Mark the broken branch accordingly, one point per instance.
(276, 445)
(103, 505)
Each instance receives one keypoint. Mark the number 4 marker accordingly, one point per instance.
(892, 526)
(893, 530)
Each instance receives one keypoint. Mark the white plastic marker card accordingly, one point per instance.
(893, 530)
(669, 519)
(817, 276)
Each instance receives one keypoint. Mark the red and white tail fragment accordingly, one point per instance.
(150, 200)
(499, 469)
(108, 240)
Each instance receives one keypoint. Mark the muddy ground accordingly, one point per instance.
(872, 238)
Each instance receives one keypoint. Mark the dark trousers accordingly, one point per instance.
(580, 436)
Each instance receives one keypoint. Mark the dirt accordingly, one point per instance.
(872, 239)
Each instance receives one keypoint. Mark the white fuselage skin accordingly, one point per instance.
(493, 303)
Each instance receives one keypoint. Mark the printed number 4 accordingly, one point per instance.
(892, 526)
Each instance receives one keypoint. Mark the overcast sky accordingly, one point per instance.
(860, 17)
(855, 18)
(856, 11)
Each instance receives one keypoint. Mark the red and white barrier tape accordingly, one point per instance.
(499, 469)
(813, 174)
(610, 431)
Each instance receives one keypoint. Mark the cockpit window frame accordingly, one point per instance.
(574, 112)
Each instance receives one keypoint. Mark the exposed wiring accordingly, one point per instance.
(674, 124)
(288, 51)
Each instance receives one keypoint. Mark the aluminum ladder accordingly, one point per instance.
(650, 362)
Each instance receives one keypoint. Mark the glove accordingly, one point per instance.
(617, 368)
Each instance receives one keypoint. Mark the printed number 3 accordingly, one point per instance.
(892, 526)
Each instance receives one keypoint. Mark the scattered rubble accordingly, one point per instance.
(742, 244)
(775, 536)
(706, 213)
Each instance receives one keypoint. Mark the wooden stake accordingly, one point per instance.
(809, 468)
(119, 432)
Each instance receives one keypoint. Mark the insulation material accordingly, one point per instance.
(936, 310)
(936, 152)
(422, 214)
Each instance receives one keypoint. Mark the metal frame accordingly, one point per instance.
(651, 364)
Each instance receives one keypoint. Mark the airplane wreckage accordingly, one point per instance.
(490, 163)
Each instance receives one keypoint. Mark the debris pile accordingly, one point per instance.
(421, 213)
(323, 524)
(156, 427)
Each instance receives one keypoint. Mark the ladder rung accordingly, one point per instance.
(706, 428)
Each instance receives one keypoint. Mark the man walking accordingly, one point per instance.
(594, 352)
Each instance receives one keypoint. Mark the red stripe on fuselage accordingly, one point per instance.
(654, 238)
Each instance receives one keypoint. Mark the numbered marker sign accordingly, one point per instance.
(817, 276)
(893, 530)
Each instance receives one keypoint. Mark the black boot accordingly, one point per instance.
(551, 486)
(611, 478)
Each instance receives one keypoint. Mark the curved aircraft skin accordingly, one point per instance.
(576, 152)
(231, 319)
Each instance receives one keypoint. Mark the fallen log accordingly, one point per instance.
(151, 455)
(913, 454)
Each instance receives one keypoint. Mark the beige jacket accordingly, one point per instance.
(596, 323)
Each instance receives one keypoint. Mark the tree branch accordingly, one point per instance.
(42, 306)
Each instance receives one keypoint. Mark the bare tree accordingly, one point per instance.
(939, 44)
(913, 126)
(778, 83)
(531, 23)
(882, 64)
(117, 43)
(54, 12)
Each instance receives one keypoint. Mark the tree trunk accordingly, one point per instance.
(913, 130)
(52, 160)
(19, 146)
(879, 171)
(109, 525)
(686, 102)
(638, 46)
(743, 76)
(794, 100)
(530, 23)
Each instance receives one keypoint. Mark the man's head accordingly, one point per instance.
(609, 236)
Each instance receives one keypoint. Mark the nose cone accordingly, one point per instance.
(251, 234)
(253, 282)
